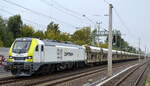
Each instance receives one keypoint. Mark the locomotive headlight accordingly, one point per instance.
(30, 57)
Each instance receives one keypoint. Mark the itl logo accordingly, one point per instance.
(68, 54)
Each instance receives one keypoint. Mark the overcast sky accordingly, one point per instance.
(134, 23)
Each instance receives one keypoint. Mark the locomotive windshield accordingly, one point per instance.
(21, 46)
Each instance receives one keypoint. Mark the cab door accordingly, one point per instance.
(37, 55)
(42, 53)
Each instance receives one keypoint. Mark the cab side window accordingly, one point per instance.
(42, 48)
(37, 48)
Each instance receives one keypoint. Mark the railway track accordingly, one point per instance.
(140, 76)
(6, 79)
(124, 80)
(55, 78)
(9, 80)
(71, 77)
(13, 79)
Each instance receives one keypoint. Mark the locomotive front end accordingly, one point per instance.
(20, 61)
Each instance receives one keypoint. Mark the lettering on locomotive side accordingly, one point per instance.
(68, 54)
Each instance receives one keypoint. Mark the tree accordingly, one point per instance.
(120, 44)
(39, 34)
(1, 43)
(27, 31)
(65, 37)
(94, 35)
(82, 36)
(54, 27)
(6, 37)
(104, 45)
(14, 25)
(2, 29)
(53, 31)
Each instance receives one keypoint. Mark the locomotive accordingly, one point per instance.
(28, 56)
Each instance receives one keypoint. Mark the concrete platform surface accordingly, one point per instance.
(3, 73)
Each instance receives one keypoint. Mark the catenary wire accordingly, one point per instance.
(35, 12)
(41, 25)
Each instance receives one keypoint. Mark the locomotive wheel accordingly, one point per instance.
(52, 68)
(45, 69)
(14, 71)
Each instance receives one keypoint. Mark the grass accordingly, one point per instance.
(148, 80)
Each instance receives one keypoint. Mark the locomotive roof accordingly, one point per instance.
(51, 42)
(56, 43)
(24, 38)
